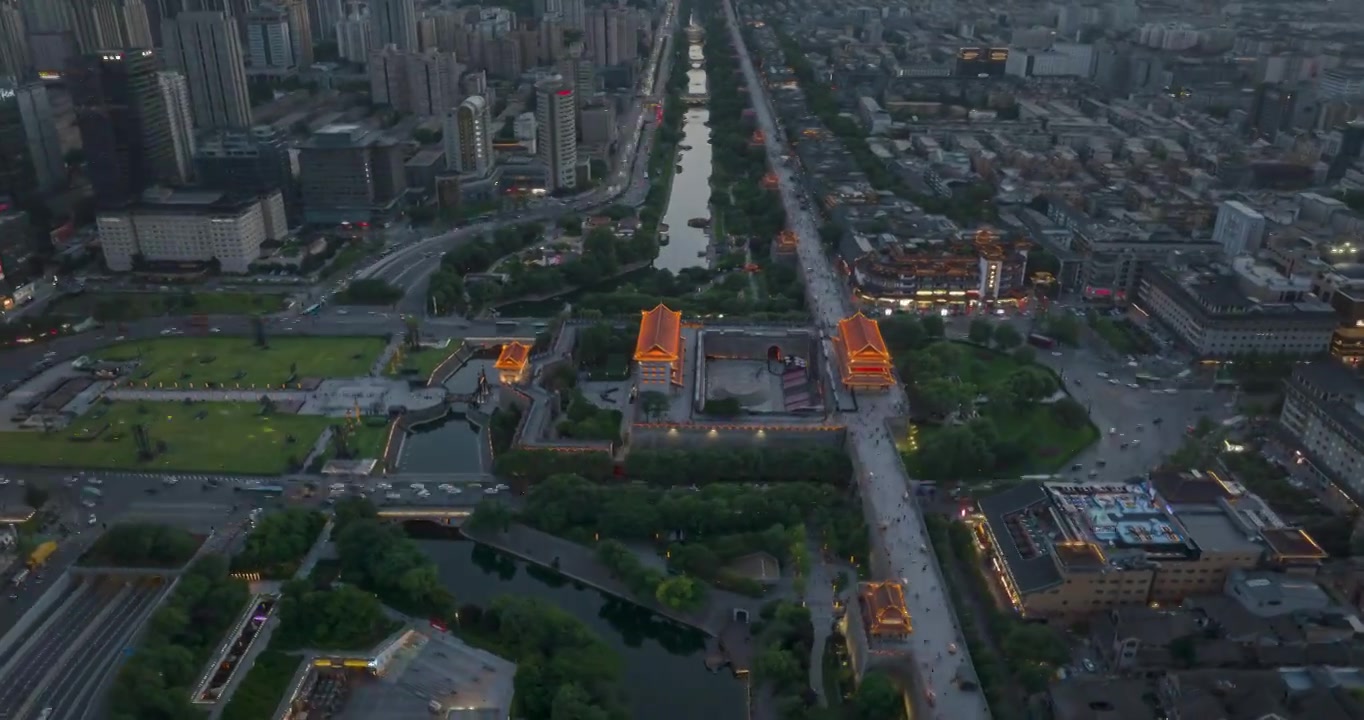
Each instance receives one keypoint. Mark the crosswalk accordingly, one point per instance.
(238, 480)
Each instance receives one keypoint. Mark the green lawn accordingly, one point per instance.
(229, 437)
(1050, 445)
(421, 363)
(237, 362)
(116, 307)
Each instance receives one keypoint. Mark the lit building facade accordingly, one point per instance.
(877, 624)
(512, 363)
(659, 349)
(863, 360)
(928, 274)
(1322, 411)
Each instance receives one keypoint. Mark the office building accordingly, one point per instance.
(300, 31)
(574, 12)
(612, 35)
(269, 40)
(524, 127)
(557, 133)
(254, 161)
(468, 137)
(600, 127)
(348, 173)
(352, 38)
(124, 124)
(40, 132)
(14, 53)
(388, 77)
(206, 48)
(1351, 143)
(17, 172)
(1323, 410)
(1239, 228)
(1068, 550)
(198, 227)
(1212, 314)
(175, 95)
(395, 23)
(101, 24)
(433, 83)
(16, 256)
(323, 15)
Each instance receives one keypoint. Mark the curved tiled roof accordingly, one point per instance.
(513, 356)
(862, 336)
(660, 335)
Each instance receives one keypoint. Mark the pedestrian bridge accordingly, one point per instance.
(448, 515)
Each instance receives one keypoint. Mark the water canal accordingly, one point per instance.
(690, 194)
(451, 444)
(665, 677)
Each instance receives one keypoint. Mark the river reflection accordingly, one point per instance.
(665, 676)
(451, 444)
(690, 194)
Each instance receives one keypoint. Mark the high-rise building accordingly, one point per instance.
(395, 23)
(14, 57)
(300, 31)
(348, 173)
(433, 80)
(388, 77)
(175, 94)
(269, 43)
(1239, 229)
(557, 132)
(254, 161)
(123, 122)
(100, 24)
(17, 174)
(548, 7)
(612, 35)
(1351, 143)
(323, 15)
(352, 38)
(573, 12)
(192, 227)
(504, 57)
(206, 48)
(40, 133)
(468, 137)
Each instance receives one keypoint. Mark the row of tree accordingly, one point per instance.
(811, 463)
(279, 542)
(726, 520)
(676, 592)
(157, 681)
(379, 558)
(138, 544)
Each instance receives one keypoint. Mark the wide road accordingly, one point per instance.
(900, 541)
(63, 663)
(411, 266)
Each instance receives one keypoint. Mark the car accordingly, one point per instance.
(91, 520)
(490, 491)
(1077, 467)
(1157, 421)
(88, 503)
(94, 481)
(384, 486)
(169, 481)
(167, 331)
(1090, 666)
(1114, 381)
(1136, 441)
(394, 496)
(503, 486)
(215, 330)
(1123, 446)
(4, 481)
(951, 648)
(1102, 374)
(453, 490)
(1112, 431)
(1134, 386)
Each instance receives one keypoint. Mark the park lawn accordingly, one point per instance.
(238, 363)
(116, 307)
(421, 363)
(986, 367)
(1050, 444)
(230, 438)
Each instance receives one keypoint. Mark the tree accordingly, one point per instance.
(36, 495)
(490, 515)
(680, 592)
(1030, 384)
(942, 396)
(877, 698)
(1070, 413)
(654, 404)
(779, 667)
(980, 331)
(1024, 354)
(1006, 337)
(933, 326)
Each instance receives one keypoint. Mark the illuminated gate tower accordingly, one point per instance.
(659, 351)
(512, 363)
(863, 361)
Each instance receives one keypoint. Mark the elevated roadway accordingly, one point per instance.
(900, 540)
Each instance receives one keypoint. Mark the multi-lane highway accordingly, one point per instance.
(64, 659)
(900, 541)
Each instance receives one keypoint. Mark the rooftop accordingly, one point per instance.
(436, 671)
(883, 609)
(660, 334)
(862, 337)
(513, 356)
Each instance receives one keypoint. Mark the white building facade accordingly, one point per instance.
(192, 227)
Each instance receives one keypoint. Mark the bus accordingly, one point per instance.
(19, 577)
(265, 489)
(1041, 341)
(313, 309)
(1147, 378)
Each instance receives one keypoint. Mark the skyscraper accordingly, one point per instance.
(269, 47)
(300, 31)
(323, 15)
(205, 47)
(16, 165)
(395, 23)
(40, 132)
(557, 132)
(124, 123)
(352, 38)
(14, 57)
(468, 137)
(611, 35)
(175, 94)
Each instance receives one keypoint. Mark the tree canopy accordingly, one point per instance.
(141, 545)
(279, 542)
